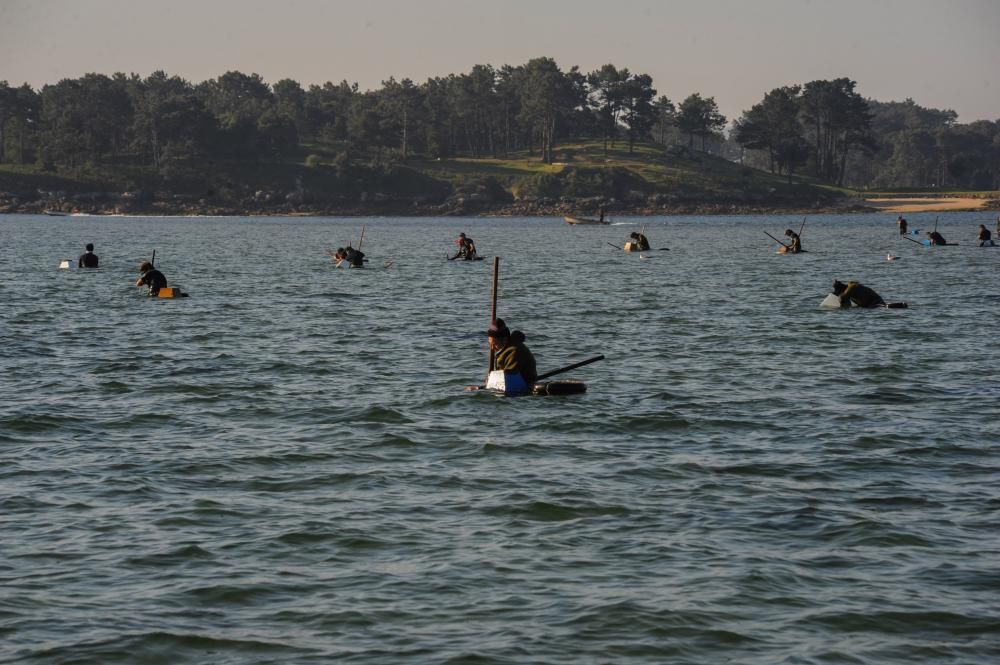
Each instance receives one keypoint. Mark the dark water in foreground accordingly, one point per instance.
(284, 468)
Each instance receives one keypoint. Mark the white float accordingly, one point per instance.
(508, 383)
(830, 302)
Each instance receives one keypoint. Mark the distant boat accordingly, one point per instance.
(577, 221)
(55, 213)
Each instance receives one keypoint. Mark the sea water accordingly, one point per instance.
(285, 468)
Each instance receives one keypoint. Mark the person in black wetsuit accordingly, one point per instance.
(466, 248)
(639, 240)
(936, 238)
(985, 238)
(88, 259)
(355, 257)
(796, 242)
(901, 225)
(861, 296)
(151, 277)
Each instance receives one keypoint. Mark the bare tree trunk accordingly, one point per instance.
(506, 130)
(552, 140)
(404, 133)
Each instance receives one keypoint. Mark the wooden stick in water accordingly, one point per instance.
(569, 367)
(362, 241)
(775, 239)
(152, 261)
(493, 309)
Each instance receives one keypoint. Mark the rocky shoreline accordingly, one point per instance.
(519, 209)
(453, 207)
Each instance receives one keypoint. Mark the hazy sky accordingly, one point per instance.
(942, 53)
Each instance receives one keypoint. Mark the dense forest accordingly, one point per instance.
(827, 129)
(161, 126)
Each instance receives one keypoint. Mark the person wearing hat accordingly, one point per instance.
(640, 241)
(88, 259)
(152, 278)
(796, 245)
(511, 353)
(901, 225)
(516, 357)
(466, 248)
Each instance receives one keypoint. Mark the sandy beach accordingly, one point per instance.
(901, 205)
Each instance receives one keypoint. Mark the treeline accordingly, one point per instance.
(825, 128)
(822, 128)
(487, 112)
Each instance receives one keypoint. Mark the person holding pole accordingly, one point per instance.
(796, 242)
(151, 277)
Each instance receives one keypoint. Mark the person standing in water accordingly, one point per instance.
(88, 259)
(901, 225)
(985, 238)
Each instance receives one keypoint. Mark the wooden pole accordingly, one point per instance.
(362, 241)
(776, 240)
(569, 367)
(152, 261)
(493, 309)
(803, 225)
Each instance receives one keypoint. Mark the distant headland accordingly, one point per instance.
(527, 140)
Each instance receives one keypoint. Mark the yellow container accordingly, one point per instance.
(169, 292)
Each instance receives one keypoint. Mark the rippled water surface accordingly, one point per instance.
(284, 467)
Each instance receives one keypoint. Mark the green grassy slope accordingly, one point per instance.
(582, 169)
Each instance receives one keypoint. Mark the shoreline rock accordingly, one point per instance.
(464, 208)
